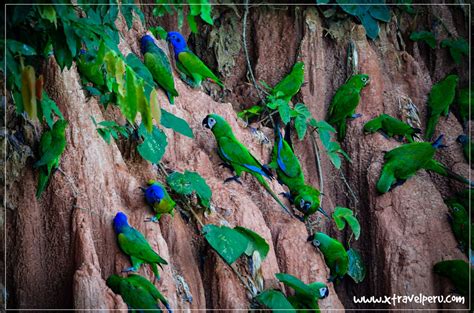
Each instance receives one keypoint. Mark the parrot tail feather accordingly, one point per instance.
(262, 181)
(385, 181)
(430, 126)
(170, 97)
(42, 183)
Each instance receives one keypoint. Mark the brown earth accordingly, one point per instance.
(63, 247)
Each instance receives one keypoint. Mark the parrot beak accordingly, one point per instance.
(320, 209)
(205, 122)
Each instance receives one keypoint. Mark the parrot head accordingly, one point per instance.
(462, 139)
(177, 40)
(154, 194)
(307, 201)
(217, 124)
(114, 283)
(120, 222)
(298, 67)
(458, 211)
(359, 80)
(320, 289)
(145, 41)
(321, 240)
(452, 78)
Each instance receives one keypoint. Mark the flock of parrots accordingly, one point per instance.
(400, 163)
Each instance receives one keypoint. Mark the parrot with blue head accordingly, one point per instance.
(159, 66)
(236, 156)
(289, 173)
(138, 293)
(405, 161)
(159, 199)
(192, 70)
(134, 244)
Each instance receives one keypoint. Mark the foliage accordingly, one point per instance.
(189, 182)
(275, 300)
(108, 129)
(457, 48)
(250, 113)
(179, 125)
(357, 268)
(201, 8)
(427, 37)
(342, 215)
(333, 148)
(154, 144)
(230, 243)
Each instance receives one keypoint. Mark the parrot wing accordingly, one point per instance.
(286, 159)
(289, 85)
(235, 152)
(344, 102)
(134, 244)
(51, 151)
(147, 285)
(159, 66)
(137, 297)
(194, 65)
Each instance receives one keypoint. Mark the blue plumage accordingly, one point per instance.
(144, 42)
(154, 194)
(178, 42)
(120, 222)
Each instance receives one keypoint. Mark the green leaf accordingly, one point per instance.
(302, 110)
(323, 125)
(154, 144)
(295, 283)
(457, 47)
(427, 37)
(192, 24)
(301, 126)
(159, 32)
(139, 68)
(322, 1)
(49, 109)
(284, 110)
(275, 300)
(189, 182)
(342, 215)
(370, 24)
(227, 242)
(357, 268)
(380, 12)
(179, 183)
(129, 102)
(48, 13)
(206, 9)
(250, 113)
(256, 242)
(175, 123)
(16, 47)
(335, 159)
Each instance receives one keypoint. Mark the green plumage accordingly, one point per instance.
(345, 102)
(236, 155)
(403, 162)
(390, 127)
(137, 292)
(440, 98)
(459, 219)
(160, 68)
(467, 147)
(52, 146)
(306, 296)
(166, 205)
(335, 255)
(290, 84)
(191, 66)
(458, 273)
(465, 103)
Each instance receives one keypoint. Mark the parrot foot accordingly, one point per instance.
(384, 134)
(153, 219)
(129, 269)
(400, 138)
(399, 182)
(226, 166)
(233, 178)
(287, 195)
(354, 116)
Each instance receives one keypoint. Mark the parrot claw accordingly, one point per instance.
(233, 178)
(153, 219)
(287, 195)
(129, 269)
(384, 134)
(226, 166)
(399, 182)
(354, 116)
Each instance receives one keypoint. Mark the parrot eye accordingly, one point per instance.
(456, 209)
(364, 79)
(317, 243)
(323, 292)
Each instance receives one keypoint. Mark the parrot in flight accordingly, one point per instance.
(134, 244)
(467, 147)
(335, 254)
(290, 84)
(191, 68)
(403, 162)
(459, 220)
(345, 102)
(236, 156)
(159, 199)
(440, 98)
(52, 146)
(289, 173)
(458, 273)
(306, 296)
(137, 292)
(390, 126)
(159, 66)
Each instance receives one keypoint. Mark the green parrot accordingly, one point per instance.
(188, 64)
(465, 103)
(137, 292)
(463, 197)
(159, 66)
(290, 84)
(458, 273)
(134, 244)
(334, 253)
(289, 173)
(403, 162)
(159, 199)
(236, 156)
(390, 126)
(467, 147)
(440, 98)
(52, 146)
(306, 296)
(345, 102)
(459, 219)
